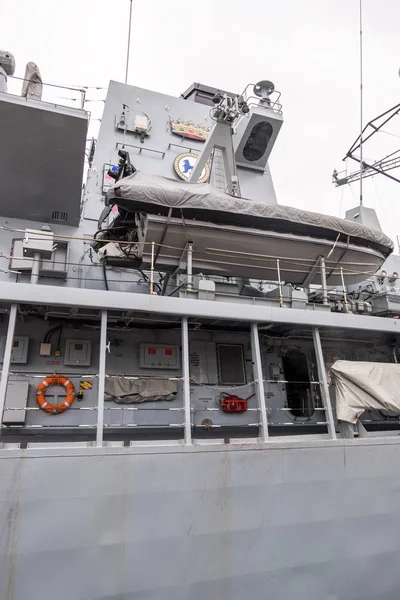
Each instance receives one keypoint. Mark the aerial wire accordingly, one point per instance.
(361, 105)
(129, 42)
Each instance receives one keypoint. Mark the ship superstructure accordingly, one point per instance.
(167, 339)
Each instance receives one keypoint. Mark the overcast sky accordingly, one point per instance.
(309, 48)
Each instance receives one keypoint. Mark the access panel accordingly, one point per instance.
(19, 354)
(159, 356)
(78, 352)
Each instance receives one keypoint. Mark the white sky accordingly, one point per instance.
(308, 48)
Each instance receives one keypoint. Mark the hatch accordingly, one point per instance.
(295, 369)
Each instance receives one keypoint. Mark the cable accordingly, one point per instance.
(389, 133)
(341, 200)
(105, 276)
(63, 87)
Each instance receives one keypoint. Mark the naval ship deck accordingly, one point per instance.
(213, 341)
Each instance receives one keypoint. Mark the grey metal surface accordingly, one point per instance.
(324, 387)
(16, 399)
(364, 216)
(157, 152)
(7, 357)
(308, 523)
(259, 381)
(42, 146)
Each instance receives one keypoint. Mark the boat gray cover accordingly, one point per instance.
(203, 202)
(361, 386)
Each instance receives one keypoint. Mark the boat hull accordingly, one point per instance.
(305, 520)
(231, 251)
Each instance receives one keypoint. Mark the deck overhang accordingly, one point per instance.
(185, 307)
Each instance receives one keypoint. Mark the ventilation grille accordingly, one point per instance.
(57, 215)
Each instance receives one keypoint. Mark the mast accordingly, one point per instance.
(361, 105)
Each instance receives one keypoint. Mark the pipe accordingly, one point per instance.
(152, 270)
(102, 375)
(186, 381)
(259, 382)
(346, 306)
(35, 268)
(395, 355)
(189, 281)
(7, 359)
(279, 284)
(323, 281)
(324, 383)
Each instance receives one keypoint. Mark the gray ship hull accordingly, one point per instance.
(311, 520)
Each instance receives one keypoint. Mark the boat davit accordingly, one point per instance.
(231, 236)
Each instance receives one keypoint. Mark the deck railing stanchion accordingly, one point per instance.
(279, 283)
(259, 382)
(186, 381)
(7, 359)
(102, 374)
(324, 383)
(323, 281)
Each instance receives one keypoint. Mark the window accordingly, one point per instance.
(257, 141)
(231, 368)
(298, 388)
(204, 98)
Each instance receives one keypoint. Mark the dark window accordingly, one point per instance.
(231, 364)
(298, 388)
(258, 141)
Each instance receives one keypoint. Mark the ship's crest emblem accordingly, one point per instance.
(188, 129)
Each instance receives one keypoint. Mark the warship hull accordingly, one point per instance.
(283, 520)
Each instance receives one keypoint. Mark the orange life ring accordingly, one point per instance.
(61, 406)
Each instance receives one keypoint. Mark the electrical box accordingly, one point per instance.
(36, 240)
(45, 349)
(159, 356)
(141, 124)
(19, 354)
(78, 353)
(274, 372)
(132, 122)
(16, 399)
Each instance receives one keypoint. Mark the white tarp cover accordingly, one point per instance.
(152, 193)
(127, 391)
(32, 85)
(361, 386)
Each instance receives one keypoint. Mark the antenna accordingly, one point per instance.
(263, 89)
(361, 107)
(129, 43)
